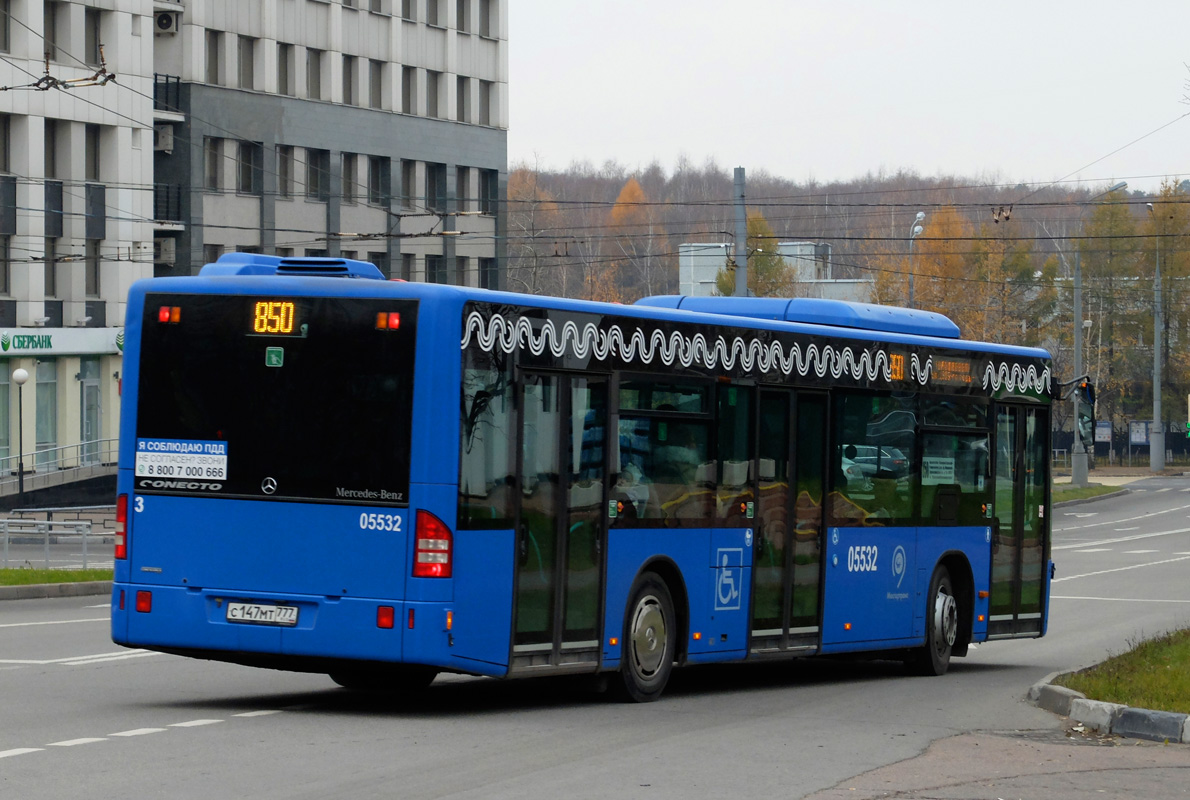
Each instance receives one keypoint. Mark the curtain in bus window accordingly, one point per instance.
(486, 457)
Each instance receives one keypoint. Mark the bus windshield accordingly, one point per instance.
(283, 398)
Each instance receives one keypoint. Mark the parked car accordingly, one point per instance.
(871, 459)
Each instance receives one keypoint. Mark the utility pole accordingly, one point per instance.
(741, 237)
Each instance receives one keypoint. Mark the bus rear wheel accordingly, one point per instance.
(385, 679)
(650, 628)
(942, 627)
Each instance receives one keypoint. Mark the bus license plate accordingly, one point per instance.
(259, 614)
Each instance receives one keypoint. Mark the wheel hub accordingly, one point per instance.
(648, 636)
(946, 620)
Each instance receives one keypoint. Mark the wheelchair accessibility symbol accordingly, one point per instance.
(728, 581)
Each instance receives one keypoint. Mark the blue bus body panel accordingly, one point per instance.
(716, 571)
(483, 578)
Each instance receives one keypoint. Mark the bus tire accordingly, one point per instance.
(650, 629)
(394, 679)
(942, 626)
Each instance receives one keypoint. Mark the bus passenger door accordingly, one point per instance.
(786, 563)
(561, 529)
(1020, 530)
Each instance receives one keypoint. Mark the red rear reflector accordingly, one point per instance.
(411, 619)
(385, 616)
(432, 547)
(122, 526)
(144, 602)
(121, 599)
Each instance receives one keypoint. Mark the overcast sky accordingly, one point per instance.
(1003, 91)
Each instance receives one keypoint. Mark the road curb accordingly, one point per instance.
(1112, 718)
(1080, 501)
(40, 591)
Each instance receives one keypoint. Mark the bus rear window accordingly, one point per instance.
(294, 398)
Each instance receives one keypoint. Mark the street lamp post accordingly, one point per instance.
(1157, 432)
(19, 376)
(914, 232)
(1078, 464)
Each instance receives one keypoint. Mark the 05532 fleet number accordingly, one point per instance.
(862, 558)
(380, 522)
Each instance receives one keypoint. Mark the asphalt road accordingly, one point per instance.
(77, 712)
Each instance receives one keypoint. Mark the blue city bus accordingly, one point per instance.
(324, 471)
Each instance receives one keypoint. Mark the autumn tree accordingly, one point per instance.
(768, 273)
(533, 229)
(638, 245)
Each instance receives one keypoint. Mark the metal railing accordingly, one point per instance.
(19, 533)
(58, 461)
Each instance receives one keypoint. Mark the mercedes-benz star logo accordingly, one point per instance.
(268, 485)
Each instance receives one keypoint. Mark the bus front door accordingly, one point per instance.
(561, 527)
(787, 561)
(1020, 529)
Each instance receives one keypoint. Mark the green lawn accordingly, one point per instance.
(1152, 675)
(26, 577)
(1064, 491)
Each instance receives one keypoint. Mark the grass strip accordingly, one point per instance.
(1064, 491)
(27, 577)
(1151, 675)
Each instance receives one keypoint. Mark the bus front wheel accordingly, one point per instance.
(649, 639)
(942, 627)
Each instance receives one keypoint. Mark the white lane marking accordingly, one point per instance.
(1095, 550)
(1159, 491)
(1119, 569)
(1133, 528)
(138, 732)
(194, 723)
(1119, 539)
(20, 751)
(1138, 552)
(1081, 515)
(256, 713)
(1118, 599)
(73, 742)
(78, 659)
(94, 660)
(101, 605)
(56, 622)
(1117, 521)
(1182, 554)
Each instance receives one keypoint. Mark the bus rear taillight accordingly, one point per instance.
(433, 547)
(122, 526)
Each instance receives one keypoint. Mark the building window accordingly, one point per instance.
(462, 100)
(51, 148)
(52, 14)
(378, 168)
(463, 188)
(46, 427)
(435, 269)
(5, 264)
(285, 69)
(380, 259)
(92, 37)
(376, 84)
(408, 90)
(314, 74)
(350, 97)
(376, 6)
(247, 62)
(91, 276)
(5, 142)
(407, 10)
(487, 273)
(51, 267)
(214, 41)
(350, 190)
(285, 170)
(489, 191)
(485, 18)
(249, 168)
(407, 266)
(213, 162)
(462, 266)
(349, 3)
(461, 21)
(318, 174)
(5, 26)
(91, 143)
(485, 102)
(284, 252)
(211, 253)
(435, 187)
(408, 183)
(315, 252)
(432, 12)
(433, 84)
